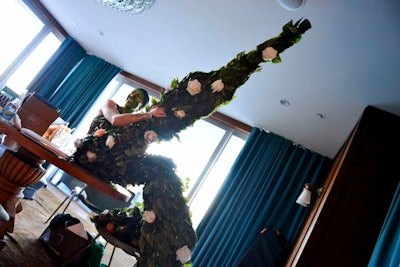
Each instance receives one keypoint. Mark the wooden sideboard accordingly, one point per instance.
(343, 225)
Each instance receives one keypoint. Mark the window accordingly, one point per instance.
(192, 151)
(211, 183)
(25, 26)
(29, 43)
(21, 78)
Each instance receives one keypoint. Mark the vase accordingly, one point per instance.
(15, 175)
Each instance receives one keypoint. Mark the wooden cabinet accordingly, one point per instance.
(343, 225)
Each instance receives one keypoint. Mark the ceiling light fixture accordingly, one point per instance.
(292, 5)
(130, 7)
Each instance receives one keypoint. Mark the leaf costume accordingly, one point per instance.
(197, 96)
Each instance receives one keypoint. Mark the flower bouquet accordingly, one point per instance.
(118, 154)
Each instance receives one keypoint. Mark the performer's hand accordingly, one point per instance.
(158, 112)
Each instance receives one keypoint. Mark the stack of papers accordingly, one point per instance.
(44, 142)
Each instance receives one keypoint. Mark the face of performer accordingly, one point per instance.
(136, 99)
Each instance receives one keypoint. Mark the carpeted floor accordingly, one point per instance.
(23, 249)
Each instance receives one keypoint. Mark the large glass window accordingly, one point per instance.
(27, 45)
(192, 151)
(18, 27)
(21, 78)
(203, 196)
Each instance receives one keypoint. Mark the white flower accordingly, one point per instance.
(150, 136)
(105, 212)
(149, 216)
(194, 87)
(167, 89)
(110, 142)
(217, 86)
(269, 53)
(91, 156)
(180, 113)
(183, 254)
(78, 142)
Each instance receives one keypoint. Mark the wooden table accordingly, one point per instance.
(71, 168)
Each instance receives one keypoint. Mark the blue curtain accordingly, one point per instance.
(387, 248)
(57, 68)
(72, 80)
(81, 88)
(259, 192)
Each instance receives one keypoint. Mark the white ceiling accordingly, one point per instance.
(348, 60)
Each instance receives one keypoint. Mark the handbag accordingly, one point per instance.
(65, 245)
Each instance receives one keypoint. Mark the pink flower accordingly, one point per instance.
(150, 137)
(149, 216)
(217, 86)
(269, 53)
(99, 132)
(183, 254)
(194, 87)
(91, 156)
(180, 113)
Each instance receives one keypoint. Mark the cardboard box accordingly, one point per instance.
(37, 114)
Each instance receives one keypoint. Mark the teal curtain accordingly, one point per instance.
(387, 248)
(259, 192)
(72, 80)
(57, 68)
(81, 88)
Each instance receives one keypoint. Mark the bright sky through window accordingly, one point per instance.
(25, 27)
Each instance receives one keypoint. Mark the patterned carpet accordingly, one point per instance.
(23, 249)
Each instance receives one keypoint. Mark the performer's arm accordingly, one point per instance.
(110, 112)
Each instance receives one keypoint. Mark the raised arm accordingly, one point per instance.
(110, 112)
